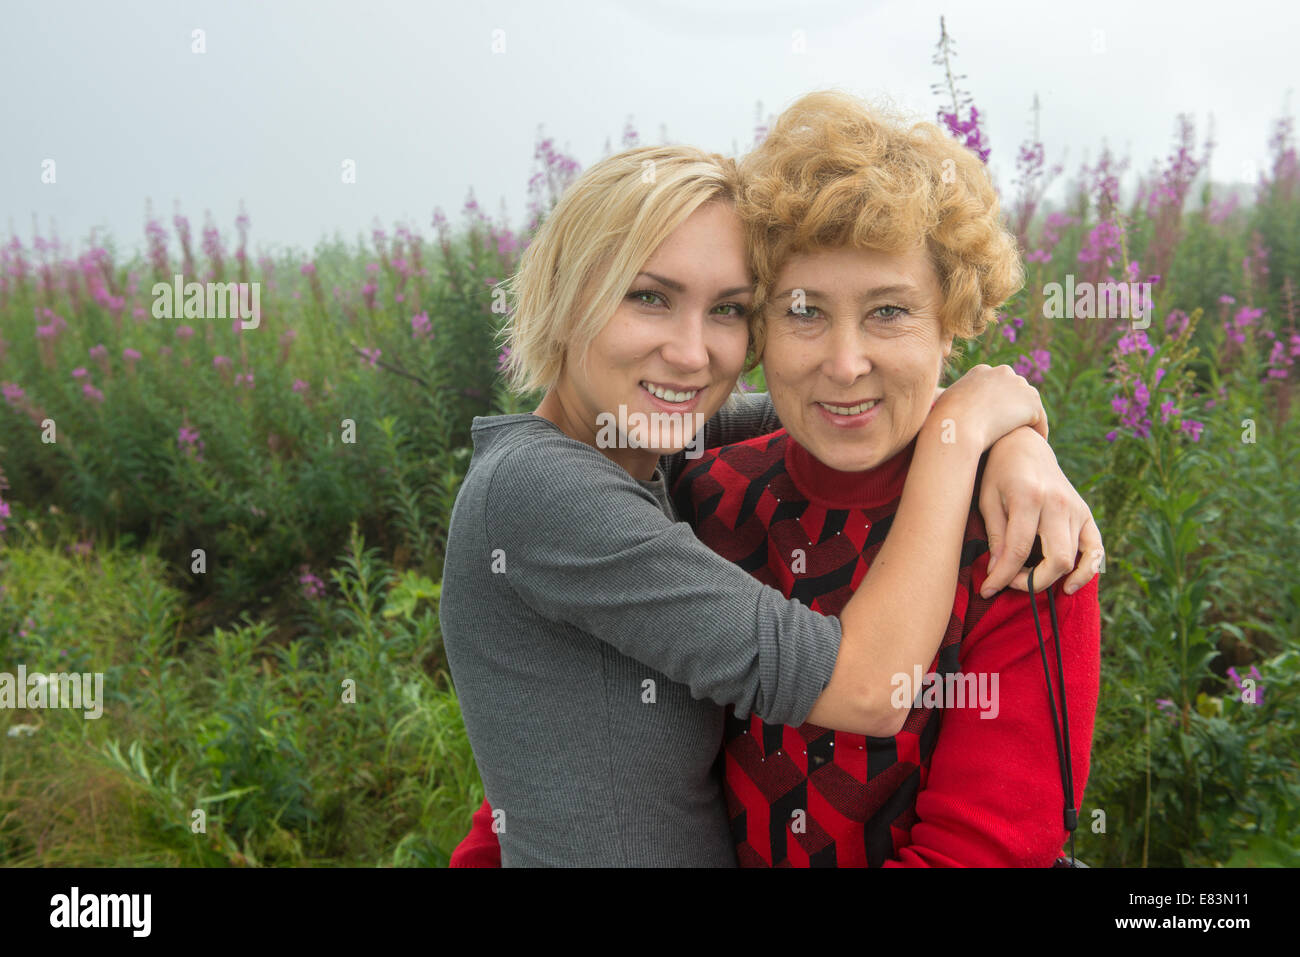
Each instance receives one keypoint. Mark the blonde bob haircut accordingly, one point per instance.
(836, 171)
(582, 262)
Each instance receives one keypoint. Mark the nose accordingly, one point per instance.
(686, 348)
(847, 358)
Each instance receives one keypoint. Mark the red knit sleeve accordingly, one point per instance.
(480, 847)
(994, 796)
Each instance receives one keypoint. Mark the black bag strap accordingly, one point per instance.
(1061, 726)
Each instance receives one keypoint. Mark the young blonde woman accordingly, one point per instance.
(593, 640)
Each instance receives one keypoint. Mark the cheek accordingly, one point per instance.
(732, 345)
(625, 340)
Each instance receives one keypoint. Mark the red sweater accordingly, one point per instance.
(984, 792)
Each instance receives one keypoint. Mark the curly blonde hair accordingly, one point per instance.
(836, 171)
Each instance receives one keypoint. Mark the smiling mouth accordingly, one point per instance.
(669, 394)
(850, 409)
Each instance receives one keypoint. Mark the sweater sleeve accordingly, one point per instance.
(480, 847)
(993, 797)
(594, 551)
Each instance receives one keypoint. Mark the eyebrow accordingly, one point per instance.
(675, 286)
(898, 289)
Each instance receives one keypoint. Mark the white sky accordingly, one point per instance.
(414, 94)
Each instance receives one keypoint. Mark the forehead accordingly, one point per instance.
(853, 267)
(708, 246)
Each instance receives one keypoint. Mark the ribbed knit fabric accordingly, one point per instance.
(956, 787)
(973, 781)
(593, 640)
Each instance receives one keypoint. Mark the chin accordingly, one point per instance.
(852, 459)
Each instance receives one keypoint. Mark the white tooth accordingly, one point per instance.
(849, 410)
(668, 394)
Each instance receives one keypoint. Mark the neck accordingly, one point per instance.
(832, 488)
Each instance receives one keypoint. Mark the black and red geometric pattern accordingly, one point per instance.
(810, 796)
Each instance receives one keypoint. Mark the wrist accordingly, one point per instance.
(952, 436)
(1024, 439)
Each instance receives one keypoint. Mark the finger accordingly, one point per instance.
(994, 514)
(1022, 524)
(1091, 552)
(1041, 425)
(1060, 545)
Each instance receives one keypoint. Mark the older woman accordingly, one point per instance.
(593, 640)
(869, 264)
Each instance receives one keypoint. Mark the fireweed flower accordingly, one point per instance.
(1034, 366)
(1245, 318)
(90, 392)
(1279, 361)
(421, 327)
(79, 373)
(312, 587)
(372, 355)
(1102, 244)
(968, 131)
(368, 293)
(4, 513)
(1135, 341)
(1253, 676)
(156, 237)
(1052, 227)
(184, 332)
(12, 392)
(100, 354)
(220, 362)
(187, 439)
(300, 387)
(244, 378)
(503, 359)
(1167, 707)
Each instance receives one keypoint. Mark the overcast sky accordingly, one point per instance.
(414, 93)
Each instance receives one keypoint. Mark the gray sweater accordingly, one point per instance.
(594, 642)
